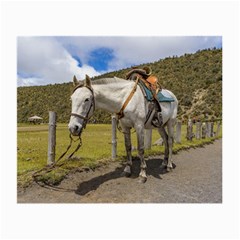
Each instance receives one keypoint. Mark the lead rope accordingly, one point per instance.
(54, 165)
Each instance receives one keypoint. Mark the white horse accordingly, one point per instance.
(109, 94)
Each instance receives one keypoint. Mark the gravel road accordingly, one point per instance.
(197, 178)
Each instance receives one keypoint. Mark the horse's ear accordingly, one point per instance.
(88, 81)
(75, 81)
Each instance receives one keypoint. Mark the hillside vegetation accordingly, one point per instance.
(195, 79)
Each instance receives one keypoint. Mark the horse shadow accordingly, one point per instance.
(153, 169)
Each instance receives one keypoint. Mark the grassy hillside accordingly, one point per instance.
(196, 80)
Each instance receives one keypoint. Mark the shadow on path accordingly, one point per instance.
(94, 183)
(153, 169)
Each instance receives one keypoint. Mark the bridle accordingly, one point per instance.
(92, 105)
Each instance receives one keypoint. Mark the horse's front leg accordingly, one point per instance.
(143, 166)
(128, 146)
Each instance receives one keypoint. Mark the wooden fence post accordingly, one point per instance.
(178, 131)
(51, 137)
(114, 137)
(204, 130)
(148, 138)
(190, 130)
(208, 129)
(198, 130)
(218, 128)
(211, 129)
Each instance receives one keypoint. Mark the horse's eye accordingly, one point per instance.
(86, 100)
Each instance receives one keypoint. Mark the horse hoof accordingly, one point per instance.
(126, 174)
(169, 169)
(163, 167)
(142, 179)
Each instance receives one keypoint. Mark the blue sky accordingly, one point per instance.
(49, 60)
(100, 57)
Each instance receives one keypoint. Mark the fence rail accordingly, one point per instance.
(202, 130)
(198, 130)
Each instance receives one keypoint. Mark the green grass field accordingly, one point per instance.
(32, 143)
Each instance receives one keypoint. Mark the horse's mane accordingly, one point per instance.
(102, 81)
(107, 81)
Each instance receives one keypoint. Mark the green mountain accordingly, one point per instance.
(195, 79)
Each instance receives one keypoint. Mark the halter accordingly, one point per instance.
(85, 118)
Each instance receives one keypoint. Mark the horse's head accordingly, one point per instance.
(83, 105)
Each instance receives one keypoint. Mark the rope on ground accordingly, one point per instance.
(56, 165)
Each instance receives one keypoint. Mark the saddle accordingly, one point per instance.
(146, 77)
(149, 81)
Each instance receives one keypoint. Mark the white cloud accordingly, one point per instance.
(43, 60)
(147, 49)
(30, 81)
(136, 50)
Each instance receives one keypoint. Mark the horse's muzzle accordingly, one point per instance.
(75, 129)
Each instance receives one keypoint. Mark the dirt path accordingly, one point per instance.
(197, 178)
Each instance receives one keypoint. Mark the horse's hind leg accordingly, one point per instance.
(170, 126)
(128, 146)
(164, 136)
(140, 139)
